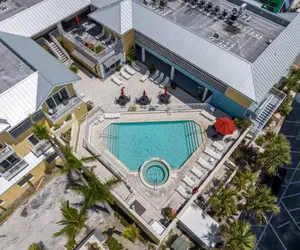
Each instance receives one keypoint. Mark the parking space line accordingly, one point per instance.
(263, 232)
(292, 195)
(295, 152)
(289, 136)
(295, 182)
(292, 121)
(294, 209)
(278, 237)
(290, 215)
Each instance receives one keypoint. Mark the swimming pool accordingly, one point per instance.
(135, 142)
(155, 172)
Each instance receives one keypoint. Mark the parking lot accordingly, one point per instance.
(283, 230)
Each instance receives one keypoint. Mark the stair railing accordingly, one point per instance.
(62, 50)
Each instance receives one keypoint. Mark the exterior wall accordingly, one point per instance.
(237, 97)
(218, 100)
(16, 191)
(128, 40)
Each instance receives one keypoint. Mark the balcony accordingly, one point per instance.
(63, 109)
(15, 169)
(5, 152)
(40, 148)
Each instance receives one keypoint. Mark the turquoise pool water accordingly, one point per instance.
(135, 142)
(155, 172)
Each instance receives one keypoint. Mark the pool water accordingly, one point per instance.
(135, 142)
(155, 172)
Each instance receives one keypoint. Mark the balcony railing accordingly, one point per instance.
(96, 58)
(40, 148)
(277, 93)
(6, 152)
(64, 108)
(17, 168)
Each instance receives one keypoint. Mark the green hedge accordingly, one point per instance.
(113, 244)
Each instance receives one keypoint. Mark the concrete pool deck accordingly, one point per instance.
(155, 200)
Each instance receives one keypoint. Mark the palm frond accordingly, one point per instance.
(89, 159)
(112, 182)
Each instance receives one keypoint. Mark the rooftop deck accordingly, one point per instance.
(247, 37)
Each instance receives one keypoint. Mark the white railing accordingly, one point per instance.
(62, 49)
(64, 109)
(5, 152)
(156, 107)
(17, 168)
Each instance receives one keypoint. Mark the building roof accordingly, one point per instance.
(117, 16)
(26, 96)
(41, 16)
(198, 222)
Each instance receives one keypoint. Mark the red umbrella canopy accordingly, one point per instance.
(166, 90)
(77, 20)
(122, 91)
(144, 94)
(225, 126)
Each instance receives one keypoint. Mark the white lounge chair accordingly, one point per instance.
(101, 118)
(182, 191)
(145, 77)
(218, 146)
(135, 66)
(116, 80)
(101, 35)
(212, 153)
(204, 164)
(125, 75)
(107, 39)
(196, 172)
(112, 115)
(129, 70)
(159, 79)
(165, 82)
(154, 76)
(188, 181)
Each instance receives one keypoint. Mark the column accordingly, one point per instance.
(204, 94)
(172, 73)
(143, 55)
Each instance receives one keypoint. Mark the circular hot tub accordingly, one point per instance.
(155, 172)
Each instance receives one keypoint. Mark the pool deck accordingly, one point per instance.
(155, 200)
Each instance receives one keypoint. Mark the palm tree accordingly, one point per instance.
(237, 236)
(244, 178)
(224, 202)
(277, 152)
(96, 192)
(42, 132)
(132, 233)
(73, 222)
(260, 201)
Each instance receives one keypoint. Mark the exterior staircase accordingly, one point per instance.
(59, 54)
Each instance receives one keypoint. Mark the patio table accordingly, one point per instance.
(144, 100)
(123, 100)
(165, 98)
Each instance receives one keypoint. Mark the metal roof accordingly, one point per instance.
(41, 16)
(27, 96)
(118, 16)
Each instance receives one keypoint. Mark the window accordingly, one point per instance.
(2, 202)
(23, 182)
(33, 140)
(8, 162)
(57, 98)
(51, 158)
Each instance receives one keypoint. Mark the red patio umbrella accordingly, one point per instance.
(122, 91)
(77, 20)
(166, 90)
(144, 94)
(224, 126)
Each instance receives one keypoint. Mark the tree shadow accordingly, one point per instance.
(111, 231)
(95, 208)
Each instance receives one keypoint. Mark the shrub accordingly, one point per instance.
(69, 117)
(89, 105)
(113, 244)
(118, 67)
(238, 153)
(34, 246)
(260, 140)
(270, 135)
(243, 124)
(131, 54)
(132, 108)
(57, 126)
(98, 49)
(74, 68)
(151, 68)
(123, 221)
(268, 122)
(285, 108)
(6, 213)
(132, 233)
(174, 85)
(48, 170)
(93, 246)
(169, 213)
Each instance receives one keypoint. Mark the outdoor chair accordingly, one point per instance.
(107, 39)
(187, 180)
(116, 80)
(125, 75)
(204, 164)
(159, 79)
(154, 76)
(181, 190)
(145, 77)
(135, 66)
(196, 172)
(101, 35)
(212, 153)
(129, 70)
(165, 82)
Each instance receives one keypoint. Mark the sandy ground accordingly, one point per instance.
(43, 212)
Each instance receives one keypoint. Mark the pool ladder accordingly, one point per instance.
(108, 136)
(193, 133)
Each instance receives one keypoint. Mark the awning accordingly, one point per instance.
(83, 58)
(112, 60)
